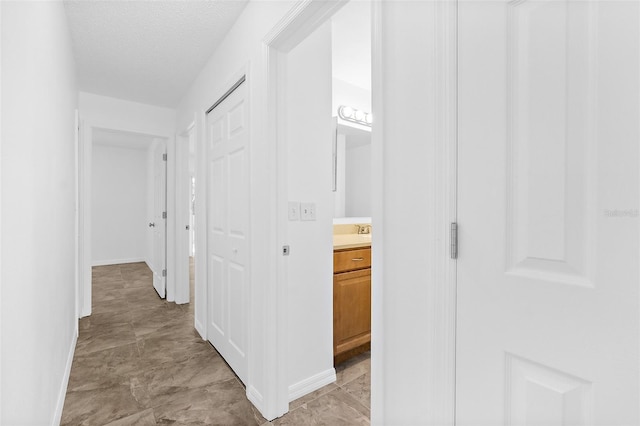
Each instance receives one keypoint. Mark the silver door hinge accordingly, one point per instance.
(454, 240)
(164, 272)
(164, 215)
(164, 157)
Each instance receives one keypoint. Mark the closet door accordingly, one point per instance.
(227, 228)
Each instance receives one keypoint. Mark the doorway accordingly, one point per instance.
(123, 191)
(305, 194)
(158, 264)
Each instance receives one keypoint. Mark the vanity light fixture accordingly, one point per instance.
(355, 115)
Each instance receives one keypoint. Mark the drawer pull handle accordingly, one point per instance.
(357, 259)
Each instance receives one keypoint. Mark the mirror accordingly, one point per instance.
(351, 90)
(352, 170)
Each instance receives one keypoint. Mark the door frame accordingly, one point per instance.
(85, 189)
(162, 146)
(442, 338)
(181, 290)
(300, 21)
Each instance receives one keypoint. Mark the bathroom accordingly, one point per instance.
(351, 182)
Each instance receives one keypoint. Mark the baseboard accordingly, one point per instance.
(311, 384)
(57, 415)
(200, 329)
(116, 261)
(256, 399)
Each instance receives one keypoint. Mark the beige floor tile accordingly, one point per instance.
(143, 418)
(334, 408)
(139, 361)
(360, 388)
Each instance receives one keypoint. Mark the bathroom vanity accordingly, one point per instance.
(351, 295)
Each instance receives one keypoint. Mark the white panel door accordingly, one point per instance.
(227, 226)
(159, 224)
(548, 318)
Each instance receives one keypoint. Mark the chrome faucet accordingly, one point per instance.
(364, 229)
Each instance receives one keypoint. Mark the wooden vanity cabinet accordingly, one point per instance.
(351, 303)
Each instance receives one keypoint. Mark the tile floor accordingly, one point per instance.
(139, 361)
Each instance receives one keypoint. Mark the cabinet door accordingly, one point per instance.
(351, 310)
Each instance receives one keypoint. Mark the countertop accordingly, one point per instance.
(349, 241)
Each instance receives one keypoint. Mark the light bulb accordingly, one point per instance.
(368, 118)
(347, 112)
(359, 115)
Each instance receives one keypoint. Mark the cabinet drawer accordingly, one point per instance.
(351, 260)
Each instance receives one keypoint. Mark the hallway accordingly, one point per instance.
(140, 361)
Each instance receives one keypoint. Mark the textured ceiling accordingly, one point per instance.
(146, 51)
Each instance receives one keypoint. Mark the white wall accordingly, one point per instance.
(350, 95)
(117, 114)
(39, 97)
(310, 265)
(242, 51)
(357, 179)
(402, 356)
(119, 205)
(102, 112)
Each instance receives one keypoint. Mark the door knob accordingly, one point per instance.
(151, 224)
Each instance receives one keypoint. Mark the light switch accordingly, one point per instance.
(294, 210)
(308, 211)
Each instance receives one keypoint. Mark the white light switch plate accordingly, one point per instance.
(294, 210)
(308, 211)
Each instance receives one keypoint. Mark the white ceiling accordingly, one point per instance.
(351, 44)
(146, 51)
(121, 139)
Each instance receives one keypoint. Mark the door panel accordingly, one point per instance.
(228, 138)
(159, 221)
(548, 145)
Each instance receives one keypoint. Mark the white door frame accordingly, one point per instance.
(76, 230)
(200, 298)
(85, 149)
(301, 20)
(0, 208)
(182, 290)
(85, 153)
(443, 304)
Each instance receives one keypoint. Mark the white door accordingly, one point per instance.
(548, 325)
(183, 213)
(227, 226)
(159, 224)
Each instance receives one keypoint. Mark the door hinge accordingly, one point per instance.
(164, 272)
(164, 157)
(164, 215)
(454, 240)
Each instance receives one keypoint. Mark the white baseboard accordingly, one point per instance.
(311, 384)
(116, 261)
(200, 329)
(256, 399)
(57, 415)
